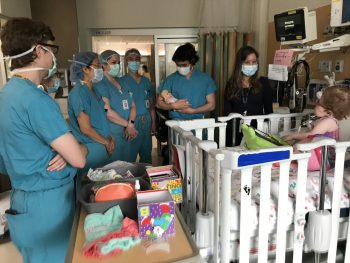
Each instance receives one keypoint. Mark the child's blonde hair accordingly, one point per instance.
(336, 101)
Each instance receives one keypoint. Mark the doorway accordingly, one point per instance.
(156, 46)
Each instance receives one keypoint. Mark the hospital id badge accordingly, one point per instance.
(147, 104)
(125, 104)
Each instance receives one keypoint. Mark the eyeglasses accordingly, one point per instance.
(96, 66)
(54, 48)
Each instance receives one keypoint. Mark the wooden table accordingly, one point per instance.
(179, 248)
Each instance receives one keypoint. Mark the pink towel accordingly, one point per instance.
(129, 229)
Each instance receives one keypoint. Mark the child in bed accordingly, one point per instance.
(333, 106)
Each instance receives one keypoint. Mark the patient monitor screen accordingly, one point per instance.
(346, 12)
(290, 25)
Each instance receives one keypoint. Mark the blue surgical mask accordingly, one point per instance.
(54, 88)
(249, 70)
(134, 65)
(98, 75)
(114, 70)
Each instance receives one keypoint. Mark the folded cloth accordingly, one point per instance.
(97, 225)
(114, 242)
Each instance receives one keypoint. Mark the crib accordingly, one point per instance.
(204, 157)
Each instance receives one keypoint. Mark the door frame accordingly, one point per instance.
(169, 39)
(160, 36)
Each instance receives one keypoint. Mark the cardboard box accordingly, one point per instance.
(156, 214)
(167, 177)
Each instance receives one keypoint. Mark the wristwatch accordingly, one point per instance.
(132, 122)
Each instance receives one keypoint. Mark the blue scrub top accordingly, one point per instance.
(81, 99)
(30, 120)
(195, 90)
(142, 93)
(120, 100)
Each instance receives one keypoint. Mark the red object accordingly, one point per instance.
(165, 208)
(176, 160)
(146, 221)
(115, 191)
(129, 229)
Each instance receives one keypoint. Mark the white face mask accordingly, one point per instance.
(184, 71)
(98, 75)
(51, 70)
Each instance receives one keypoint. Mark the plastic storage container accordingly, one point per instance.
(128, 206)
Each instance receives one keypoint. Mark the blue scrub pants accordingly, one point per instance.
(41, 228)
(97, 157)
(142, 144)
(123, 146)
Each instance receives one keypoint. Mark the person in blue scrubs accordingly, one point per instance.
(86, 110)
(51, 85)
(194, 90)
(33, 131)
(143, 94)
(122, 126)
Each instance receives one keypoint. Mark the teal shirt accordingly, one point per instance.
(81, 99)
(142, 93)
(30, 121)
(195, 90)
(120, 101)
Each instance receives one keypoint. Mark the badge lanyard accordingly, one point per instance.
(245, 101)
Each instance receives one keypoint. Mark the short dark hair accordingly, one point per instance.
(186, 52)
(21, 34)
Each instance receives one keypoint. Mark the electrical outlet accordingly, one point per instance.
(325, 66)
(339, 66)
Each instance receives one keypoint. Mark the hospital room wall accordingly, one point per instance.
(323, 20)
(61, 16)
(125, 14)
(323, 9)
(12, 8)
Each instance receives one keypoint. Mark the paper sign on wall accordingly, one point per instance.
(278, 72)
(283, 57)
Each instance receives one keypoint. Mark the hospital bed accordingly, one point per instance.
(239, 235)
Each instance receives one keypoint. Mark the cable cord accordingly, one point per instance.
(297, 99)
(293, 74)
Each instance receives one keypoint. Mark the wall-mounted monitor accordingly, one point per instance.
(340, 13)
(295, 26)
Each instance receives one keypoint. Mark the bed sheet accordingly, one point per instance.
(311, 198)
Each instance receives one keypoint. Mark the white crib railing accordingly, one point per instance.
(198, 153)
(199, 128)
(235, 160)
(273, 123)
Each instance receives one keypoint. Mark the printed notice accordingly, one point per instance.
(278, 72)
(283, 57)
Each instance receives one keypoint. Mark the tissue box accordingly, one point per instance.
(156, 212)
(167, 177)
